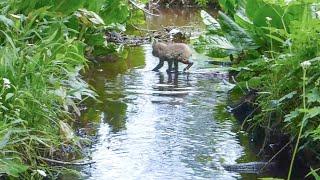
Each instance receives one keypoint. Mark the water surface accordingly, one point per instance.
(154, 125)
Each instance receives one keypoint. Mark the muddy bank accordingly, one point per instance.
(178, 3)
(166, 34)
(270, 143)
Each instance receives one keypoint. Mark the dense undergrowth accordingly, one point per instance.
(275, 48)
(42, 52)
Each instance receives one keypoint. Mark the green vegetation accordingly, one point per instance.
(274, 46)
(276, 49)
(42, 51)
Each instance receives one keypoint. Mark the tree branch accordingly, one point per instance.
(66, 163)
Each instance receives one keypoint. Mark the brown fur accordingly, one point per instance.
(173, 52)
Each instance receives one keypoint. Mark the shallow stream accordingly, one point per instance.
(154, 125)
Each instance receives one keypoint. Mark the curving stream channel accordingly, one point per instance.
(154, 125)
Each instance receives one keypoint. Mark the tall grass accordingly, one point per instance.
(41, 56)
(39, 85)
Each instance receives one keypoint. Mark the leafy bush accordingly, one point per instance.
(281, 44)
(42, 48)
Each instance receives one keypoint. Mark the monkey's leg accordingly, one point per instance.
(169, 66)
(176, 67)
(190, 63)
(158, 66)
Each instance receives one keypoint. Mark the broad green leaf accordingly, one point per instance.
(67, 6)
(236, 34)
(95, 5)
(229, 6)
(258, 11)
(61, 92)
(8, 96)
(252, 6)
(63, 7)
(96, 39)
(115, 11)
(242, 19)
(313, 112)
(5, 139)
(210, 21)
(292, 115)
(275, 38)
(314, 133)
(313, 96)
(215, 46)
(9, 39)
(89, 18)
(287, 96)
(220, 42)
(11, 167)
(8, 22)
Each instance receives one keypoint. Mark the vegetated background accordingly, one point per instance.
(43, 46)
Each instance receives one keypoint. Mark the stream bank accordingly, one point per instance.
(270, 144)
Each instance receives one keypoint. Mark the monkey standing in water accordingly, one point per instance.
(172, 53)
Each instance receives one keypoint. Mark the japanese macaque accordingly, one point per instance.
(172, 53)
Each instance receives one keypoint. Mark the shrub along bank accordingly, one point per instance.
(42, 48)
(274, 46)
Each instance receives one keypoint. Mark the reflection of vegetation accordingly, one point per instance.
(173, 17)
(92, 115)
(135, 57)
(129, 58)
(115, 114)
(222, 115)
(103, 77)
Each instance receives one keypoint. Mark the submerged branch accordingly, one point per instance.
(66, 163)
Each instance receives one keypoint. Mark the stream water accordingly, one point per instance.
(154, 125)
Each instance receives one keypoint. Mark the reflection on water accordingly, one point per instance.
(174, 17)
(155, 125)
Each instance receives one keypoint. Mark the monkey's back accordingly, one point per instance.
(179, 51)
(159, 49)
(172, 51)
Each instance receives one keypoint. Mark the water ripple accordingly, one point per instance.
(162, 126)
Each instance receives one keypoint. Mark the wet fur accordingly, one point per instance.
(172, 53)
